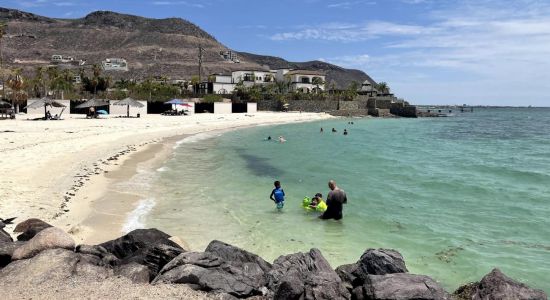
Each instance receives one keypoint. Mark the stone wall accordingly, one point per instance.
(349, 105)
(268, 105)
(399, 109)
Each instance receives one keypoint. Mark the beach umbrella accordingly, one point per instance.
(175, 101)
(102, 112)
(93, 103)
(129, 102)
(46, 101)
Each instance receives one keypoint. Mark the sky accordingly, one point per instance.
(477, 52)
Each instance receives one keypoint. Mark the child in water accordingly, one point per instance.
(316, 200)
(278, 195)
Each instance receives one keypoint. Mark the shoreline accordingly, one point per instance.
(94, 161)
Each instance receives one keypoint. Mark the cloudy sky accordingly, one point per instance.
(429, 51)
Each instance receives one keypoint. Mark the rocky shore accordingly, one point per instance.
(45, 262)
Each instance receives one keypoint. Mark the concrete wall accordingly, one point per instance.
(222, 108)
(53, 110)
(349, 105)
(120, 110)
(251, 107)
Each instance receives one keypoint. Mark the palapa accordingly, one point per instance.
(129, 102)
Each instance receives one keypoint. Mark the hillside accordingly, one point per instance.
(152, 47)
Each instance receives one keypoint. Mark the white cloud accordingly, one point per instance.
(349, 4)
(472, 54)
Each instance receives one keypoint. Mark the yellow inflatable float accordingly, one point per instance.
(321, 206)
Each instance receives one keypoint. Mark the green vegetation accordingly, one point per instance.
(211, 98)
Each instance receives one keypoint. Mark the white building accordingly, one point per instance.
(250, 77)
(221, 84)
(115, 64)
(302, 79)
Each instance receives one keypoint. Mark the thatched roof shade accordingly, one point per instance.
(93, 103)
(129, 102)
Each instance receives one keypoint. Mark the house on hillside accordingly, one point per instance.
(220, 84)
(305, 80)
(115, 64)
(230, 56)
(252, 77)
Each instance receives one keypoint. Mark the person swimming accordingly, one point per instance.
(282, 139)
(269, 138)
(345, 132)
(333, 130)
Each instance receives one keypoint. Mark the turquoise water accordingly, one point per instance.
(456, 196)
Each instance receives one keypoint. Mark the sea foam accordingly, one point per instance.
(135, 219)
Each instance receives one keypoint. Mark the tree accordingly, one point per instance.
(17, 85)
(351, 91)
(383, 88)
(317, 81)
(96, 70)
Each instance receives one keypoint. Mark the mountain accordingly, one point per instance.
(152, 47)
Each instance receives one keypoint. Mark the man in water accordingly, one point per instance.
(335, 199)
(345, 132)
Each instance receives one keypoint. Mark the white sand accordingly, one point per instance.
(40, 161)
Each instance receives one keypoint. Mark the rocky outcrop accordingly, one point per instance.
(305, 276)
(135, 272)
(400, 286)
(6, 252)
(4, 236)
(222, 268)
(372, 262)
(49, 238)
(228, 272)
(127, 245)
(496, 285)
(29, 228)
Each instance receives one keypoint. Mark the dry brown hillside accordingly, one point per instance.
(152, 47)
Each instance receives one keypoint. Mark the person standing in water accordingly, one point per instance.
(321, 130)
(335, 200)
(345, 132)
(278, 195)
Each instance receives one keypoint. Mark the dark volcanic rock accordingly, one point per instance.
(402, 286)
(236, 256)
(346, 273)
(135, 272)
(237, 273)
(4, 236)
(99, 251)
(154, 257)
(308, 270)
(30, 228)
(380, 262)
(6, 252)
(125, 246)
(496, 285)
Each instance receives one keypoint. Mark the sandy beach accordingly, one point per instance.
(61, 171)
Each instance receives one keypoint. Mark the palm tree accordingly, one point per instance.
(96, 69)
(3, 27)
(17, 85)
(317, 81)
(383, 88)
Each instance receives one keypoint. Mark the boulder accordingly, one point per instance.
(135, 272)
(154, 257)
(496, 285)
(236, 255)
(308, 270)
(208, 272)
(106, 257)
(402, 286)
(29, 228)
(49, 238)
(380, 262)
(6, 252)
(4, 236)
(125, 246)
(52, 264)
(92, 267)
(346, 273)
